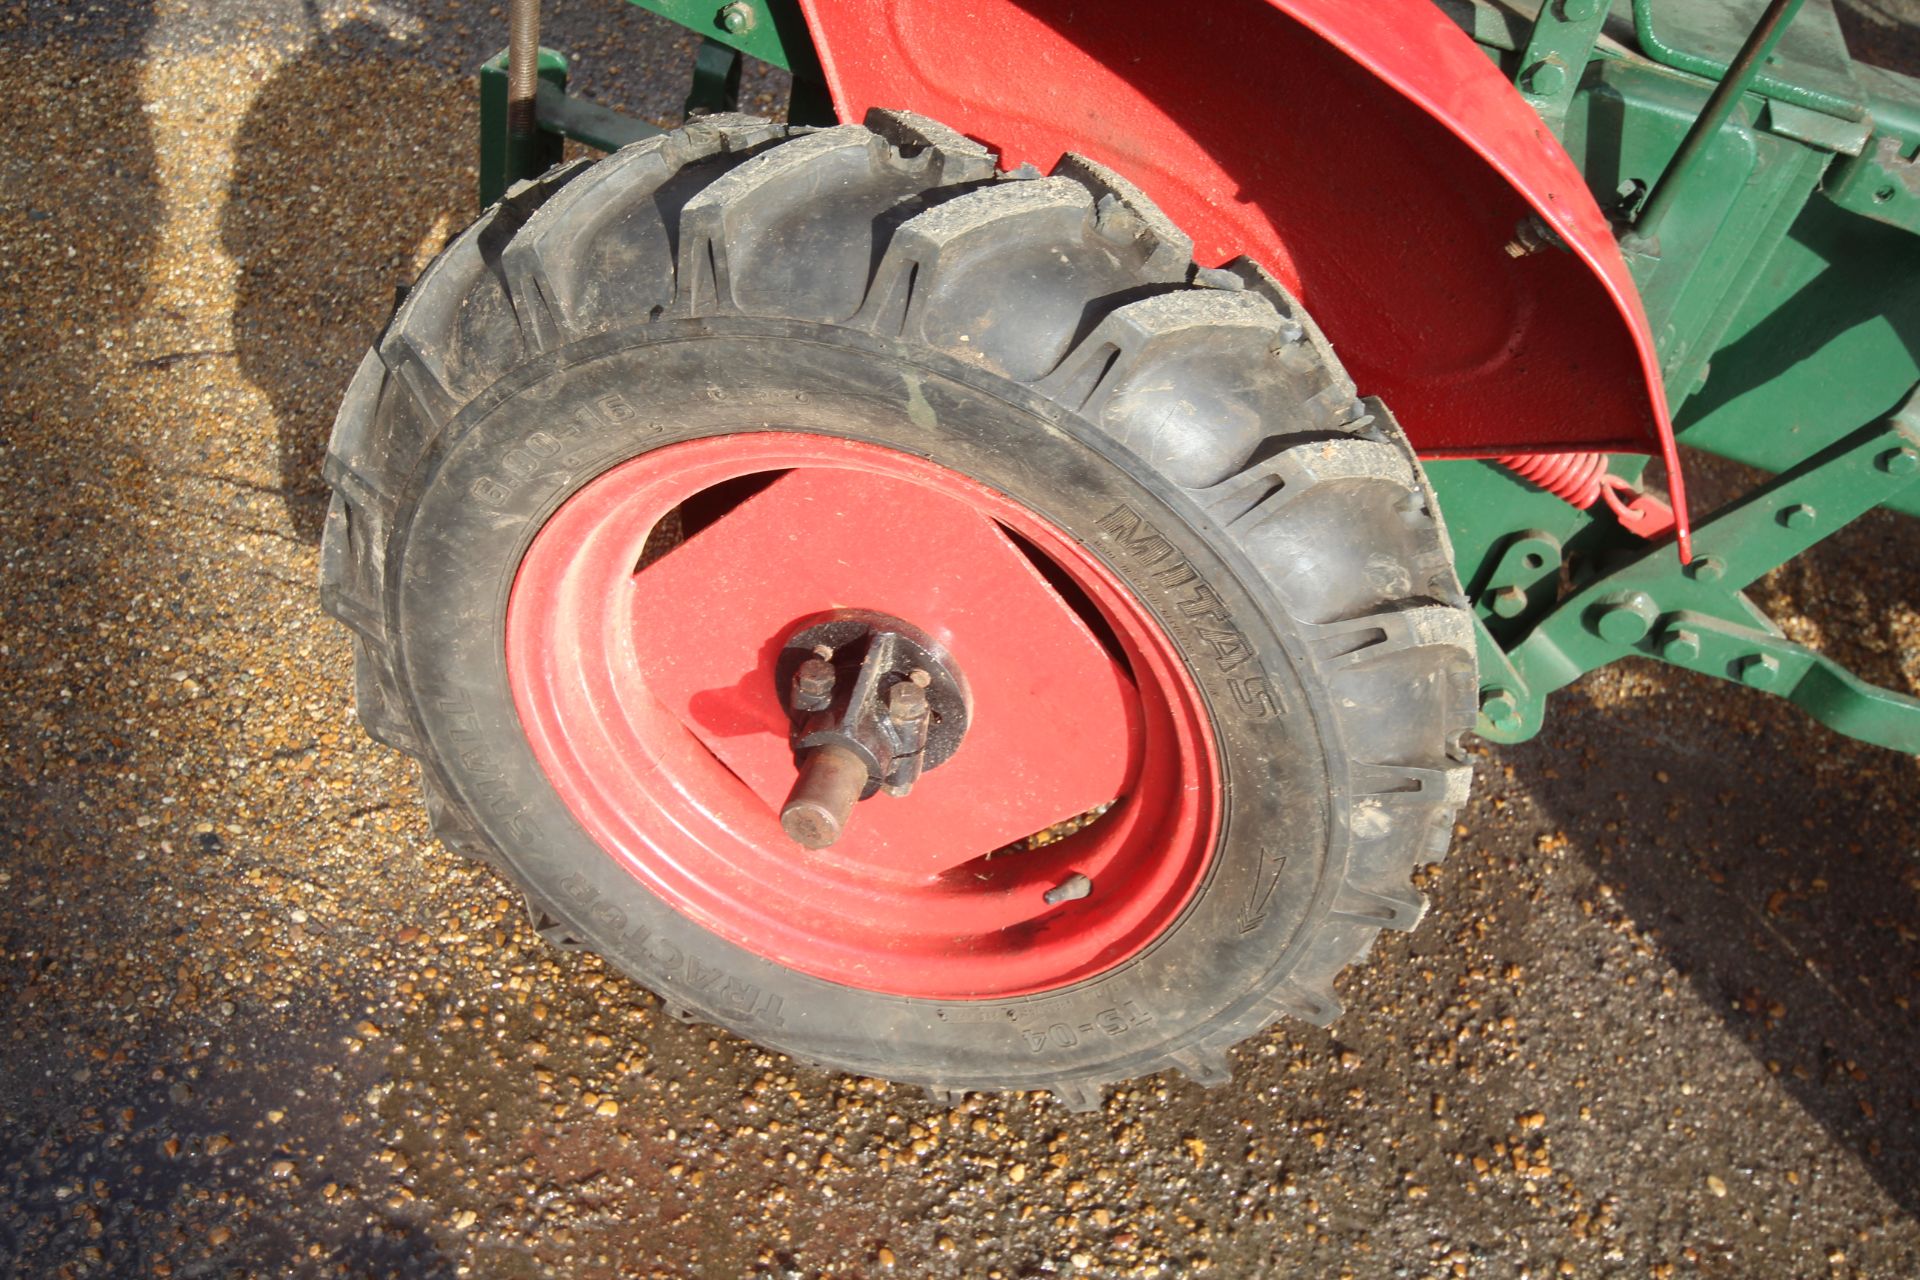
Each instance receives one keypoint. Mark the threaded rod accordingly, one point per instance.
(523, 67)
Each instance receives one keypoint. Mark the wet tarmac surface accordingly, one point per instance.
(256, 1022)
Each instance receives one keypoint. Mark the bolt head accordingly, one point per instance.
(1680, 645)
(1546, 78)
(737, 18)
(1798, 516)
(1898, 462)
(907, 702)
(1508, 602)
(1578, 10)
(1706, 569)
(1759, 670)
(1501, 708)
(1627, 618)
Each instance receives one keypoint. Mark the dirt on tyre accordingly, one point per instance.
(651, 418)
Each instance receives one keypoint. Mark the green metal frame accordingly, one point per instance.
(1699, 618)
(773, 31)
(1771, 224)
(1767, 193)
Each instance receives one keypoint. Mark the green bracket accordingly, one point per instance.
(771, 30)
(1523, 583)
(504, 158)
(1557, 54)
(716, 78)
(1699, 619)
(1504, 695)
(1882, 184)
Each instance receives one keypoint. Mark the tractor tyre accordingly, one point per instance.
(649, 419)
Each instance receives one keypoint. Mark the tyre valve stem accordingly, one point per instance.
(1074, 887)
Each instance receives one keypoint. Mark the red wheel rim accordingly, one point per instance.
(646, 692)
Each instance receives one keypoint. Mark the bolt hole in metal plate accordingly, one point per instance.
(651, 698)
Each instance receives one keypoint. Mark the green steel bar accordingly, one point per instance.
(1671, 191)
(1700, 619)
(504, 159)
(589, 123)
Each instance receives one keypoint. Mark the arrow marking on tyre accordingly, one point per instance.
(1256, 912)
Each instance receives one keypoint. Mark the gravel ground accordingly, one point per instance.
(256, 1022)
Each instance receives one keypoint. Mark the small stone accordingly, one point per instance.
(607, 1107)
(1715, 1185)
(281, 1168)
(885, 1257)
(464, 1219)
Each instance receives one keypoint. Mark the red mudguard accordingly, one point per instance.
(1371, 155)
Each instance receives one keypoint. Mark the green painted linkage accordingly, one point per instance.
(1557, 54)
(1702, 620)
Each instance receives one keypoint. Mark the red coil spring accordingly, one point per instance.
(1581, 479)
(1575, 478)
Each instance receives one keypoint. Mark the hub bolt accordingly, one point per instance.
(813, 685)
(907, 702)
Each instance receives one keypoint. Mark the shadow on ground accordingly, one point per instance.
(1776, 866)
(315, 223)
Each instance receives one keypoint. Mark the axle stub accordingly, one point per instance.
(875, 703)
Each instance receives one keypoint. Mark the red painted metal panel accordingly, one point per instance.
(649, 698)
(710, 618)
(1370, 155)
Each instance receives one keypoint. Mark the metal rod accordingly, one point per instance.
(523, 67)
(817, 810)
(1740, 76)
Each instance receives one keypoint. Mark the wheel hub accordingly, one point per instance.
(876, 702)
